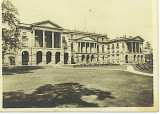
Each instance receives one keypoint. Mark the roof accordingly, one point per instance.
(136, 38)
(47, 21)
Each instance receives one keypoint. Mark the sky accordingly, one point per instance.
(115, 18)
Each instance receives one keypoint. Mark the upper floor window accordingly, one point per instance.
(117, 45)
(24, 33)
(102, 48)
(108, 47)
(64, 43)
(72, 35)
(103, 58)
(97, 48)
(24, 42)
(72, 46)
(122, 45)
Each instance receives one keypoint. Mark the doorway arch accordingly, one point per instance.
(66, 58)
(92, 58)
(126, 58)
(87, 58)
(57, 57)
(134, 58)
(39, 57)
(48, 57)
(25, 58)
(142, 58)
(83, 56)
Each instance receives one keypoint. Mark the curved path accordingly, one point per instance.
(131, 69)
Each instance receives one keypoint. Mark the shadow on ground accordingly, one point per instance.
(19, 69)
(59, 95)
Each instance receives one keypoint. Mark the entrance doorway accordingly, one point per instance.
(57, 57)
(126, 58)
(83, 56)
(39, 57)
(134, 58)
(92, 57)
(65, 58)
(25, 58)
(87, 58)
(48, 57)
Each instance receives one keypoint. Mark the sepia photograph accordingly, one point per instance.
(79, 55)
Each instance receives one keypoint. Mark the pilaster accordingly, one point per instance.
(52, 39)
(33, 38)
(43, 39)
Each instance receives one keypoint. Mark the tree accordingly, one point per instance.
(10, 31)
(148, 45)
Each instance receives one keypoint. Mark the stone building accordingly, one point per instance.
(46, 43)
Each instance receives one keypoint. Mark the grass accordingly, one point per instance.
(18, 69)
(54, 96)
(126, 89)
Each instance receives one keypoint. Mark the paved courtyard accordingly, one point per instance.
(92, 86)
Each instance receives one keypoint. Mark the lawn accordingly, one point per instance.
(78, 87)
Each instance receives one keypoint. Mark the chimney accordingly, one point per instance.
(124, 36)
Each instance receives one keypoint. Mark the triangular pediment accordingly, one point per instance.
(138, 38)
(47, 23)
(86, 39)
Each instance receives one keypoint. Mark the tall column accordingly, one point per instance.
(94, 47)
(139, 47)
(61, 40)
(33, 39)
(142, 47)
(85, 45)
(52, 39)
(132, 47)
(80, 47)
(89, 47)
(135, 47)
(43, 39)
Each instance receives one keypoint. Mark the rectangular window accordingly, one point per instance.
(108, 47)
(24, 34)
(117, 46)
(25, 42)
(122, 45)
(72, 35)
(102, 48)
(112, 46)
(97, 48)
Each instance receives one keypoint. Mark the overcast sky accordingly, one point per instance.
(112, 17)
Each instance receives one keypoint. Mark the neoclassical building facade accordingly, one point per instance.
(46, 43)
